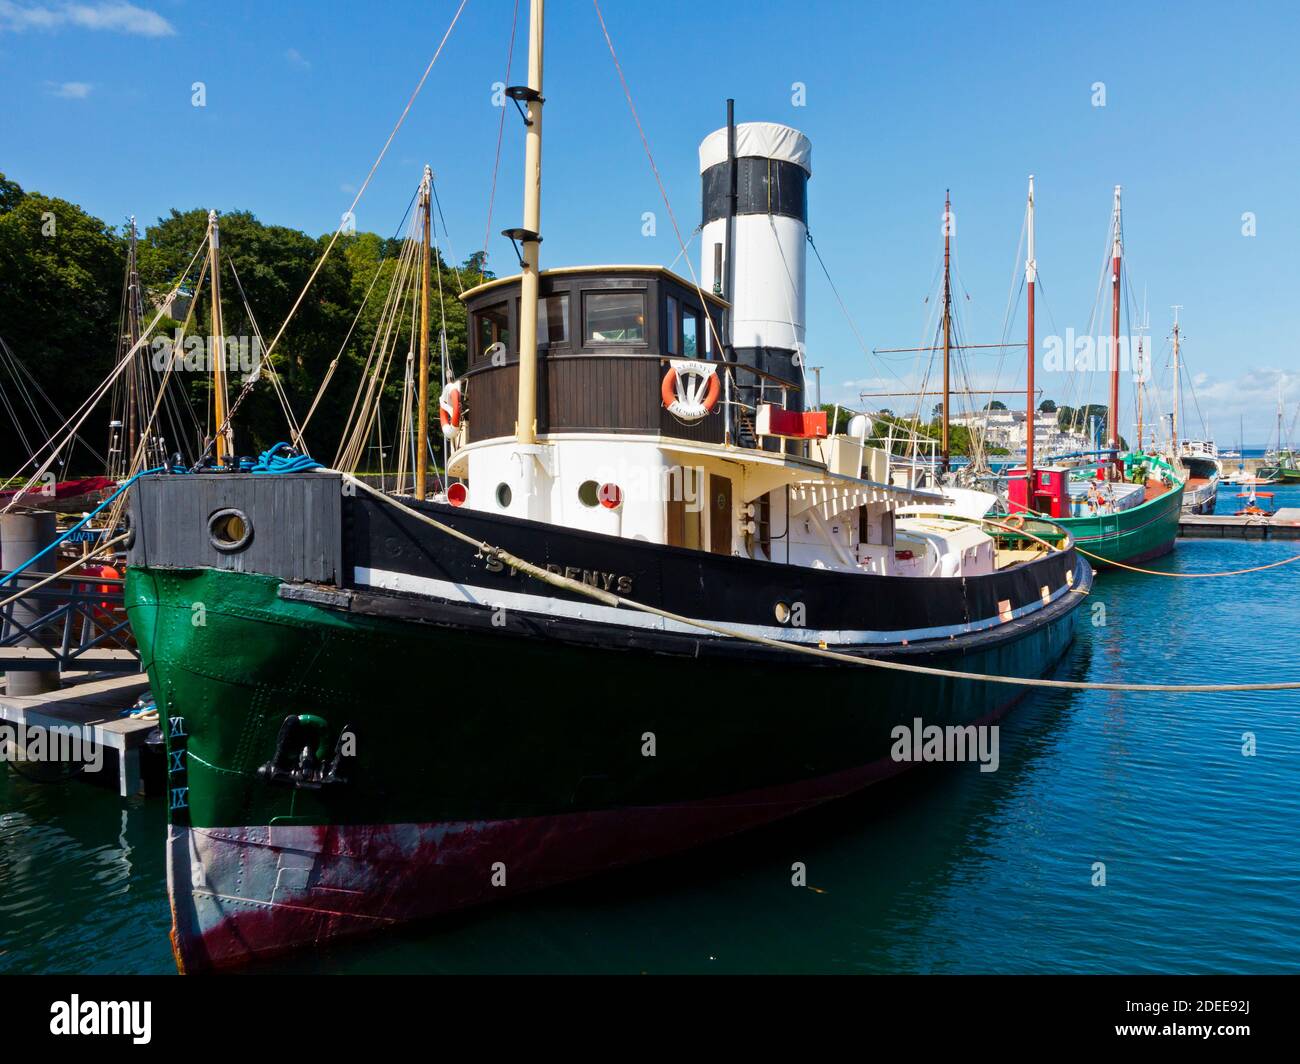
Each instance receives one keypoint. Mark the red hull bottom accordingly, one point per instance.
(243, 893)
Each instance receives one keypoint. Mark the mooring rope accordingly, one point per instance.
(1186, 576)
(611, 599)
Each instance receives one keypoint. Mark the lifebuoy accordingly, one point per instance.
(449, 410)
(1016, 521)
(698, 401)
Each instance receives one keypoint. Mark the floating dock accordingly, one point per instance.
(93, 706)
(1285, 524)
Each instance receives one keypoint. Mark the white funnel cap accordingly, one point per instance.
(764, 140)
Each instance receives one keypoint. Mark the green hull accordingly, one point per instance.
(455, 725)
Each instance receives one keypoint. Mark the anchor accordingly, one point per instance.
(300, 764)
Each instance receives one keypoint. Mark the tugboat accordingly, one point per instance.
(660, 603)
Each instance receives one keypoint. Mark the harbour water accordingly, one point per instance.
(946, 870)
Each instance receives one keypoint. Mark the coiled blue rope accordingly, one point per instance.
(282, 458)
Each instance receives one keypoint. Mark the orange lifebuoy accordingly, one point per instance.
(1016, 521)
(692, 410)
(449, 410)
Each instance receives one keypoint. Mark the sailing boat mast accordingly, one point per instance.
(133, 338)
(1031, 275)
(218, 345)
(422, 430)
(1178, 388)
(1116, 255)
(1140, 387)
(529, 236)
(947, 318)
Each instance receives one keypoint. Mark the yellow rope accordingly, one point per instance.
(610, 599)
(1187, 576)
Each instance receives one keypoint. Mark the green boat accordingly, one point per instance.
(1121, 522)
(1285, 468)
(1120, 508)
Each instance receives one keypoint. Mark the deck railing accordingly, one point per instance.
(76, 622)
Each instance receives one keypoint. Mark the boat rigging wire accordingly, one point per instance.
(343, 222)
(501, 132)
(611, 599)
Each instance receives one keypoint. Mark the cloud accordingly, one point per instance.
(113, 16)
(297, 60)
(69, 90)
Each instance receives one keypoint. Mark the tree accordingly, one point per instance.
(996, 404)
(1047, 406)
(61, 274)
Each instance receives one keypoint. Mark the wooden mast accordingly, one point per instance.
(1178, 387)
(947, 319)
(133, 338)
(422, 430)
(218, 345)
(1031, 275)
(1116, 255)
(526, 425)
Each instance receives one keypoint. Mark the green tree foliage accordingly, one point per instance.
(60, 290)
(62, 286)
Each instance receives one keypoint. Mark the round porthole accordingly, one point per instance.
(589, 493)
(230, 530)
(503, 495)
(782, 612)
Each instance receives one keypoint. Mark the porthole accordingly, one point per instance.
(230, 530)
(589, 493)
(782, 612)
(503, 495)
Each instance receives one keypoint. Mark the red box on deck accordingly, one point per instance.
(1051, 492)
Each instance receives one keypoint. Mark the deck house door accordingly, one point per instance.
(719, 514)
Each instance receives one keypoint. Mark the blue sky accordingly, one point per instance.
(902, 101)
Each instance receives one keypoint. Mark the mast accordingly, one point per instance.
(1031, 275)
(1178, 387)
(947, 317)
(1141, 383)
(529, 236)
(218, 345)
(422, 431)
(133, 338)
(1116, 254)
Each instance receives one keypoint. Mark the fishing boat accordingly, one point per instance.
(659, 602)
(1281, 463)
(1121, 507)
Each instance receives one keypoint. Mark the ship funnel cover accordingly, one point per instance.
(763, 140)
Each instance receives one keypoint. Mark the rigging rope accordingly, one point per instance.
(244, 392)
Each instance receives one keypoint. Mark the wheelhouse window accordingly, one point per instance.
(691, 338)
(614, 317)
(553, 320)
(492, 327)
(672, 325)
